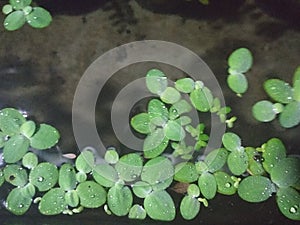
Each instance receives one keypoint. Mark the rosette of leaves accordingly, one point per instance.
(19, 12)
(239, 62)
(287, 102)
(18, 135)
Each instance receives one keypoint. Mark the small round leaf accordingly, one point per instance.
(288, 201)
(279, 90)
(186, 172)
(67, 177)
(17, 202)
(156, 81)
(290, 116)
(231, 141)
(158, 113)
(174, 131)
(240, 60)
(202, 99)
(53, 202)
(141, 123)
(170, 95)
(111, 156)
(141, 189)
(208, 185)
(225, 184)
(10, 121)
(105, 174)
(30, 160)
(39, 18)
(155, 143)
(15, 175)
(137, 212)
(85, 161)
(216, 159)
(15, 148)
(129, 167)
(189, 207)
(255, 188)
(264, 111)
(46, 137)
(14, 20)
(238, 162)
(237, 83)
(28, 128)
(185, 85)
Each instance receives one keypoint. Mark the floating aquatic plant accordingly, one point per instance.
(20, 12)
(138, 185)
(287, 102)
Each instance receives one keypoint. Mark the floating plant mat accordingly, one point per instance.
(140, 185)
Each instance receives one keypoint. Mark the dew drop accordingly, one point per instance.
(294, 209)
(92, 196)
(40, 179)
(21, 205)
(228, 185)
(34, 17)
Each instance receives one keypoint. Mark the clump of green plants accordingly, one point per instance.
(287, 102)
(19, 12)
(138, 185)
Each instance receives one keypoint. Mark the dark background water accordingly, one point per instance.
(40, 69)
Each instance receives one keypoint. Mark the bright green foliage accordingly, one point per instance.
(264, 111)
(179, 108)
(141, 123)
(225, 184)
(255, 160)
(208, 185)
(15, 148)
(231, 141)
(287, 102)
(19, 12)
(239, 62)
(119, 199)
(141, 189)
(10, 121)
(255, 189)
(216, 159)
(91, 194)
(170, 95)
(129, 167)
(189, 207)
(53, 202)
(156, 81)
(186, 172)
(193, 190)
(273, 152)
(15, 175)
(185, 85)
(17, 202)
(201, 98)
(45, 137)
(67, 177)
(111, 156)
(28, 128)
(157, 112)
(160, 206)
(238, 162)
(72, 198)
(174, 131)
(44, 176)
(155, 143)
(137, 212)
(105, 174)
(85, 161)
(286, 172)
(288, 201)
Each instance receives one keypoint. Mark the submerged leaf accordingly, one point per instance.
(255, 188)
(160, 206)
(179, 108)
(216, 159)
(279, 90)
(155, 143)
(141, 189)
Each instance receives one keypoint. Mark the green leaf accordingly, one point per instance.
(160, 206)
(105, 175)
(240, 60)
(231, 141)
(72, 198)
(30, 160)
(158, 170)
(296, 76)
(296, 92)
(15, 148)
(141, 123)
(46, 137)
(238, 162)
(185, 85)
(286, 172)
(111, 156)
(67, 177)
(91, 194)
(7, 9)
(28, 190)
(81, 177)
(279, 90)
(14, 20)
(137, 212)
(202, 99)
(19, 4)
(119, 199)
(237, 83)
(186, 172)
(183, 120)
(255, 166)
(129, 167)
(273, 152)
(10, 121)
(39, 18)
(255, 189)
(44, 176)
(189, 207)
(216, 159)
(290, 115)
(28, 128)
(208, 185)
(170, 95)
(158, 113)
(174, 131)
(15, 175)
(155, 143)
(225, 185)
(85, 161)
(179, 108)
(193, 190)
(2, 179)
(53, 202)
(3, 139)
(141, 189)
(264, 111)
(156, 81)
(201, 167)
(17, 203)
(288, 201)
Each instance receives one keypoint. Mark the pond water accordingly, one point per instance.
(40, 70)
